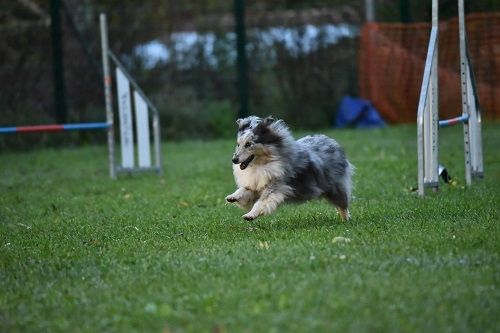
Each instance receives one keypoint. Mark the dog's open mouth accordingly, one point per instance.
(245, 163)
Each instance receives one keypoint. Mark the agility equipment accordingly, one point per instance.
(141, 118)
(55, 128)
(141, 107)
(427, 114)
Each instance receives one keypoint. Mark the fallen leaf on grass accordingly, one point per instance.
(132, 226)
(263, 245)
(150, 308)
(340, 239)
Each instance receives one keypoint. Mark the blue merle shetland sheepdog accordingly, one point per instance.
(271, 167)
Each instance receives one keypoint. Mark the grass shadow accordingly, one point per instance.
(286, 222)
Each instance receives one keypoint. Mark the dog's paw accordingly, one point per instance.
(249, 217)
(231, 199)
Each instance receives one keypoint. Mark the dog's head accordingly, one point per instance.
(254, 140)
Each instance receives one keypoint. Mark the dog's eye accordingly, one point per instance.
(248, 144)
(237, 145)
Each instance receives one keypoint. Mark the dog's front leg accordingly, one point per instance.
(243, 197)
(269, 200)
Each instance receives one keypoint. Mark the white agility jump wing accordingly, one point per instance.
(142, 130)
(125, 113)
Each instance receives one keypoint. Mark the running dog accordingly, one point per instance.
(271, 167)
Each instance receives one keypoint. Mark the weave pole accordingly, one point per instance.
(427, 113)
(470, 109)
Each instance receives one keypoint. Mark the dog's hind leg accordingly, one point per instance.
(339, 198)
(344, 213)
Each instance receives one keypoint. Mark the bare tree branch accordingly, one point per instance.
(13, 22)
(35, 9)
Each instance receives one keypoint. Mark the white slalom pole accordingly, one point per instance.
(427, 114)
(465, 90)
(427, 117)
(433, 117)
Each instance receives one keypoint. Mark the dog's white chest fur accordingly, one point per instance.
(255, 177)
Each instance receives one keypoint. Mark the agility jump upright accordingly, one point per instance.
(142, 106)
(428, 118)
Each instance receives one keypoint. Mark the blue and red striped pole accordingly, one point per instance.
(55, 128)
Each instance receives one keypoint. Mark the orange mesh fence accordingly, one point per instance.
(392, 60)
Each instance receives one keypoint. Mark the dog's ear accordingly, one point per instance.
(268, 120)
(265, 134)
(238, 121)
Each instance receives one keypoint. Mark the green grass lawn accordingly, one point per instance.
(80, 252)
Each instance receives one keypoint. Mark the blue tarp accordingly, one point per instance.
(357, 113)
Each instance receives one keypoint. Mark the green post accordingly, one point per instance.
(405, 11)
(57, 62)
(242, 70)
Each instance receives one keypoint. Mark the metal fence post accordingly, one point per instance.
(369, 10)
(241, 61)
(58, 63)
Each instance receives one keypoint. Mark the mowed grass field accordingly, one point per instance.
(82, 253)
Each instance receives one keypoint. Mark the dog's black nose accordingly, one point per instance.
(235, 160)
